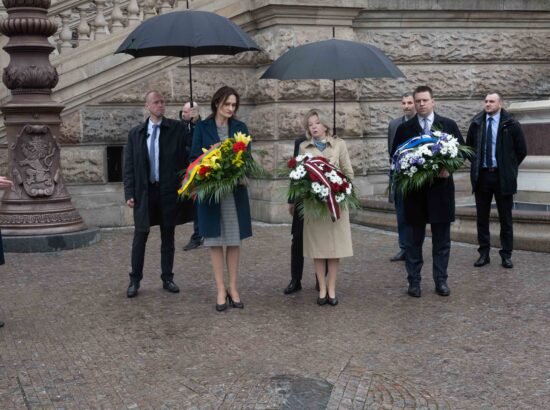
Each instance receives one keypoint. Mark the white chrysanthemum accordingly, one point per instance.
(348, 190)
(435, 167)
(339, 197)
(437, 133)
(413, 169)
(324, 192)
(316, 186)
(300, 158)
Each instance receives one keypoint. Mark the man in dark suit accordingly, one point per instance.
(155, 154)
(500, 146)
(189, 116)
(297, 247)
(407, 104)
(434, 204)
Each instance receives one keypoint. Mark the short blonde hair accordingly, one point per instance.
(323, 119)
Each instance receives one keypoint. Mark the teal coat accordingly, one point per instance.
(204, 136)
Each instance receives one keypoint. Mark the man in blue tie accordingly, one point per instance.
(154, 156)
(433, 204)
(500, 148)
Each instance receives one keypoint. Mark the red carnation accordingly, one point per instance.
(313, 177)
(292, 162)
(203, 170)
(239, 146)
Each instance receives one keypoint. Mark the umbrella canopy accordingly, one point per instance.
(187, 33)
(332, 60)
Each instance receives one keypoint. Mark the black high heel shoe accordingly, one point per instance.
(332, 301)
(322, 301)
(233, 304)
(223, 306)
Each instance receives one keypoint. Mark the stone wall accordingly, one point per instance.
(461, 48)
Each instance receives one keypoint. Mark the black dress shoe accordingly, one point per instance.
(442, 289)
(293, 286)
(322, 301)
(399, 256)
(1, 324)
(132, 289)
(414, 291)
(482, 261)
(233, 304)
(332, 301)
(192, 244)
(507, 263)
(170, 286)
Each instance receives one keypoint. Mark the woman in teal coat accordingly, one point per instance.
(228, 222)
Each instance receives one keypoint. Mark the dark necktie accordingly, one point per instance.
(152, 155)
(489, 143)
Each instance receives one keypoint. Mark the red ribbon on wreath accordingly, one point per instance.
(316, 166)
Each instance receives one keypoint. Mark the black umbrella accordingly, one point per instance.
(332, 60)
(187, 33)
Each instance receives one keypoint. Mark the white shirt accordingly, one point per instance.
(430, 119)
(150, 124)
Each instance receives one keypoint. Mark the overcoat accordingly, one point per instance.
(436, 203)
(173, 159)
(209, 213)
(324, 239)
(511, 149)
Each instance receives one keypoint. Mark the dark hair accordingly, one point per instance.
(407, 94)
(221, 96)
(423, 89)
(500, 97)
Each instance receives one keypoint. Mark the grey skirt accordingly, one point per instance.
(229, 225)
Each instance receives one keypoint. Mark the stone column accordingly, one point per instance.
(38, 204)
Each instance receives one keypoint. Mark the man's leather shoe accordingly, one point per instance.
(482, 261)
(1, 324)
(192, 244)
(399, 256)
(414, 291)
(293, 286)
(442, 289)
(170, 286)
(132, 289)
(507, 263)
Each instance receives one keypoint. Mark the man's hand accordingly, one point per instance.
(444, 173)
(291, 209)
(5, 183)
(130, 202)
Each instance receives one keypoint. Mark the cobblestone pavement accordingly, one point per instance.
(73, 340)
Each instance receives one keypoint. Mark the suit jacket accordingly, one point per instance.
(297, 222)
(173, 159)
(392, 128)
(209, 213)
(436, 203)
(511, 149)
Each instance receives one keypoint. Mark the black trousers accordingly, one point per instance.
(489, 186)
(297, 248)
(167, 247)
(441, 249)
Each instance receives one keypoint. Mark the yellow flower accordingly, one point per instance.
(240, 137)
(237, 161)
(212, 159)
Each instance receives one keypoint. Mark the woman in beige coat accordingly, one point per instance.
(326, 241)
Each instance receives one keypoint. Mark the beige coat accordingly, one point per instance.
(324, 239)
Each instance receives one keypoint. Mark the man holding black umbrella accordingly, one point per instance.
(189, 116)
